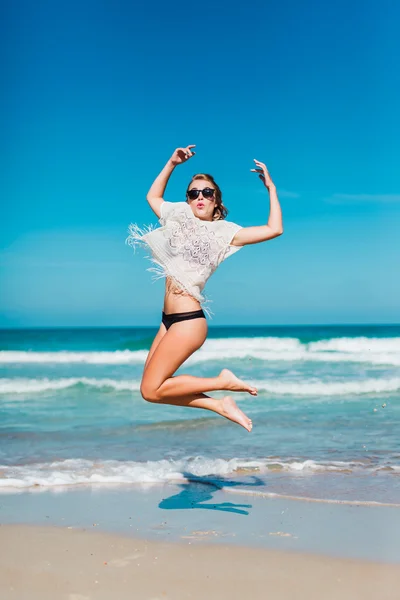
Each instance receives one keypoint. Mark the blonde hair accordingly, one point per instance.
(220, 211)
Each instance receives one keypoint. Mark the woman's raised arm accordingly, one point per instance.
(274, 227)
(156, 192)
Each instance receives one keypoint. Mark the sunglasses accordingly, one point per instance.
(207, 193)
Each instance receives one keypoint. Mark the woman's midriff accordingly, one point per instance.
(177, 300)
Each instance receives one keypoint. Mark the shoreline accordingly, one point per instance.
(48, 563)
(177, 512)
(101, 487)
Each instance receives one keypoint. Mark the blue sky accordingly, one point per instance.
(99, 94)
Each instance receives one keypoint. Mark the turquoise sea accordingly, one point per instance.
(326, 420)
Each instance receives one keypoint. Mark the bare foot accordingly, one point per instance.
(231, 411)
(234, 384)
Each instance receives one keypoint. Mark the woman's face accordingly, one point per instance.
(203, 206)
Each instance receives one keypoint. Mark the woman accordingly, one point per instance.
(193, 240)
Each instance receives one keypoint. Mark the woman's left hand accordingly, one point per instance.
(263, 174)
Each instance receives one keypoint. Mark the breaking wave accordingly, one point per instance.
(383, 351)
(282, 388)
(73, 472)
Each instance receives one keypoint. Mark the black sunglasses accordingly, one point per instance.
(207, 193)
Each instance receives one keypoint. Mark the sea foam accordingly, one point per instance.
(280, 388)
(73, 472)
(383, 351)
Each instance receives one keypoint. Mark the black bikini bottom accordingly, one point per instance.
(172, 318)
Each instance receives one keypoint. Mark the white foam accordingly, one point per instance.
(79, 471)
(292, 350)
(280, 388)
(23, 386)
(385, 351)
(74, 472)
(332, 388)
(359, 344)
(119, 357)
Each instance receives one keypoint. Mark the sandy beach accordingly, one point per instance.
(47, 563)
(165, 542)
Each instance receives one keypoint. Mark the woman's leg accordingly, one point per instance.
(226, 407)
(181, 340)
(160, 334)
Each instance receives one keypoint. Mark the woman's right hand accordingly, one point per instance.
(181, 155)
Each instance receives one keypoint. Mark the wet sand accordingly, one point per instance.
(173, 512)
(47, 563)
(195, 541)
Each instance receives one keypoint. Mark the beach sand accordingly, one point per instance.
(194, 541)
(51, 563)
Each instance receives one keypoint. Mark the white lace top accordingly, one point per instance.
(186, 248)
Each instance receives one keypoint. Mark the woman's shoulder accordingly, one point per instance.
(226, 227)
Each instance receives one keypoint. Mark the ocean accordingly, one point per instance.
(326, 420)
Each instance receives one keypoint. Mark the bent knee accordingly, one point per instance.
(148, 393)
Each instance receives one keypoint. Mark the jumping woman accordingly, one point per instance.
(194, 238)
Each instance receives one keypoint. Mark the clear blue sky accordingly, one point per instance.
(97, 95)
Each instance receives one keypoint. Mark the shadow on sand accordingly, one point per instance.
(198, 490)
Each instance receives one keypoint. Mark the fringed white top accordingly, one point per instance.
(185, 248)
